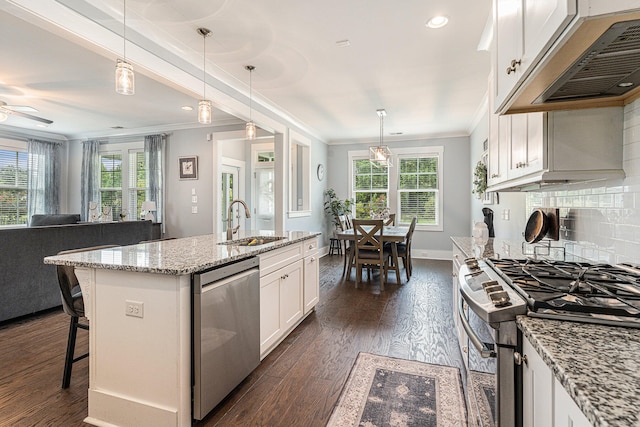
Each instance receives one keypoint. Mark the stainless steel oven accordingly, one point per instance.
(487, 310)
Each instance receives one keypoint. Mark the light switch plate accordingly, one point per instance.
(194, 199)
(194, 209)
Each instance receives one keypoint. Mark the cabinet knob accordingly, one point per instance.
(514, 65)
(465, 349)
(310, 246)
(313, 259)
(284, 276)
(495, 175)
(519, 358)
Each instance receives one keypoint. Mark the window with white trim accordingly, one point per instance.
(370, 187)
(411, 188)
(124, 179)
(13, 184)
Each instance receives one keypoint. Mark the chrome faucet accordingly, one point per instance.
(230, 229)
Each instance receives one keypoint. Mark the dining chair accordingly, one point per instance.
(391, 220)
(404, 249)
(345, 225)
(369, 248)
(73, 305)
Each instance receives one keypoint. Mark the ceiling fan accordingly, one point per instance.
(19, 110)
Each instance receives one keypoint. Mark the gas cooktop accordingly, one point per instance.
(578, 291)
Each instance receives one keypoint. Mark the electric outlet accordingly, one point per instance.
(134, 308)
(506, 213)
(194, 209)
(193, 191)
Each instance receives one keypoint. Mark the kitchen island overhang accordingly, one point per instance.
(140, 367)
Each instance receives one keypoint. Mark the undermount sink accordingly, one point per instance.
(253, 241)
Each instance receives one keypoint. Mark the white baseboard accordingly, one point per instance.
(431, 254)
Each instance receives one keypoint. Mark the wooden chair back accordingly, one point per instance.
(391, 220)
(368, 234)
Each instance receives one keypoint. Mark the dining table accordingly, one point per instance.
(392, 234)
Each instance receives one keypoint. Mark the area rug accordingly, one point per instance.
(383, 391)
(483, 387)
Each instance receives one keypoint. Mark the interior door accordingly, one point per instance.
(229, 191)
(264, 206)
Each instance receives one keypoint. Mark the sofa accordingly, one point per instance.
(27, 285)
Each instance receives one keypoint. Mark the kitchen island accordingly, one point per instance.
(593, 369)
(138, 299)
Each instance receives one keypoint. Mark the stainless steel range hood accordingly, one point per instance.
(596, 65)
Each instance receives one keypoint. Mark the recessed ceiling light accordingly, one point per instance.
(437, 22)
(625, 84)
(187, 108)
(343, 43)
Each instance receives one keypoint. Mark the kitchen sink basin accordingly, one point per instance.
(252, 241)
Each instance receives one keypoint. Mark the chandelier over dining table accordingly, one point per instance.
(380, 155)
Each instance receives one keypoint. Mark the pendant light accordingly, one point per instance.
(125, 80)
(250, 129)
(381, 154)
(204, 106)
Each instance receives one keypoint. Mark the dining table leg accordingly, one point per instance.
(394, 259)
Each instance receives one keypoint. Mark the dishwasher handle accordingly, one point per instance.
(208, 287)
(202, 279)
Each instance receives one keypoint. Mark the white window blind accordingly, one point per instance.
(418, 188)
(111, 182)
(138, 182)
(370, 187)
(13, 186)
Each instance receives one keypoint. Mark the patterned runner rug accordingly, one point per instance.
(383, 391)
(483, 387)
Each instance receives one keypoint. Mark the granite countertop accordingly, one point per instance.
(596, 364)
(511, 248)
(177, 256)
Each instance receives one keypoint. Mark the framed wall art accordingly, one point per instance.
(188, 167)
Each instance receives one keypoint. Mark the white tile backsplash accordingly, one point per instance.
(601, 220)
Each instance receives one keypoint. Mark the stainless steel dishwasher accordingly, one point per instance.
(226, 331)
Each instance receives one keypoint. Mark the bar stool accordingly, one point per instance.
(335, 245)
(73, 305)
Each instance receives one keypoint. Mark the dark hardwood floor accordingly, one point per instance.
(296, 385)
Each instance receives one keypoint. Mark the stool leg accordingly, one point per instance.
(71, 345)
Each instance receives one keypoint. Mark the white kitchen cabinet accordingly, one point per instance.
(566, 411)
(556, 147)
(537, 389)
(280, 304)
(499, 129)
(525, 143)
(289, 290)
(524, 30)
(311, 275)
(545, 402)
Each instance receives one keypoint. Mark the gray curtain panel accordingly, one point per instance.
(43, 186)
(90, 176)
(154, 146)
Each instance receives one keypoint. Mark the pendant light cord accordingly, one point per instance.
(124, 30)
(250, 95)
(204, 72)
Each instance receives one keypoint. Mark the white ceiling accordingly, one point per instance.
(431, 82)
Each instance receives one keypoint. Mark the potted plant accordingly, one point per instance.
(334, 206)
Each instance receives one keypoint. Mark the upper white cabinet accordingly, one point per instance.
(524, 30)
(554, 147)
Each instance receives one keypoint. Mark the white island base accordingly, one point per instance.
(139, 367)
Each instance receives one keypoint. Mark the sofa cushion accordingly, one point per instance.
(38, 220)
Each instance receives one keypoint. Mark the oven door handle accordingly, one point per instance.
(486, 350)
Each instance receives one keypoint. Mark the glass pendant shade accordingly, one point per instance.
(204, 112)
(3, 117)
(250, 130)
(380, 155)
(125, 79)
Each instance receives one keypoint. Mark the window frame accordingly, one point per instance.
(125, 150)
(20, 147)
(393, 190)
